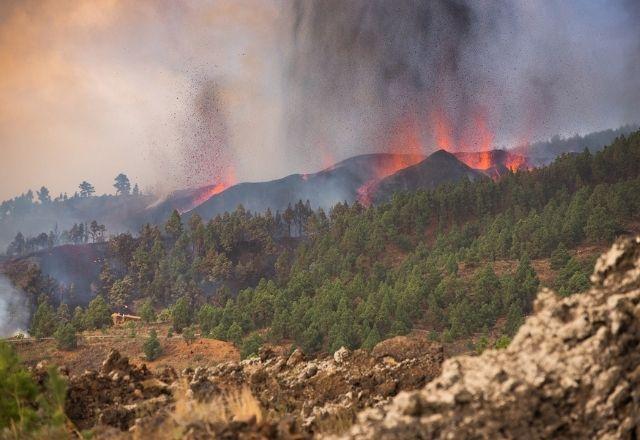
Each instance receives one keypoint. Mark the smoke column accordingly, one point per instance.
(14, 310)
(474, 72)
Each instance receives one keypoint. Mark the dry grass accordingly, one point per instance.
(238, 405)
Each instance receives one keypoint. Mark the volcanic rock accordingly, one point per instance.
(572, 371)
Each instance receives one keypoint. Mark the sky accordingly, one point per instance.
(178, 94)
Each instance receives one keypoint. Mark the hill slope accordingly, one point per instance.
(440, 167)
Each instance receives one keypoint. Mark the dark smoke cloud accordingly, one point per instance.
(359, 68)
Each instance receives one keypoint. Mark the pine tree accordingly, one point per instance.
(151, 347)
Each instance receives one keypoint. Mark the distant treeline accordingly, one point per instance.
(79, 233)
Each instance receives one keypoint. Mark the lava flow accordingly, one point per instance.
(406, 150)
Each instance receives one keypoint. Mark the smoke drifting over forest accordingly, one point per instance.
(189, 93)
(14, 312)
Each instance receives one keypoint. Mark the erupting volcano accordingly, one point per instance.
(472, 144)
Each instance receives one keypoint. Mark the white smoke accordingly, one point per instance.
(14, 309)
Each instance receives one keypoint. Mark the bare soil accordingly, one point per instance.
(93, 348)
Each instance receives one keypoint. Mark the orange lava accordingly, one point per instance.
(406, 149)
(217, 188)
(516, 162)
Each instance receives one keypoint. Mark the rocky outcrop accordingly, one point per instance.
(118, 394)
(296, 395)
(313, 391)
(572, 371)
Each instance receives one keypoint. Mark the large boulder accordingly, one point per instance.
(572, 371)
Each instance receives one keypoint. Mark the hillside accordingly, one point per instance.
(439, 168)
(338, 183)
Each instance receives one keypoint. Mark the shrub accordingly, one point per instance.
(189, 335)
(131, 327)
(164, 315)
(66, 338)
(503, 342)
(25, 410)
(151, 347)
(251, 345)
(147, 313)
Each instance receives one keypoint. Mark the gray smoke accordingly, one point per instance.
(361, 69)
(14, 309)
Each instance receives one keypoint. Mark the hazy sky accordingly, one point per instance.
(183, 93)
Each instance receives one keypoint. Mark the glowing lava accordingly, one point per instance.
(214, 189)
(406, 150)
(472, 143)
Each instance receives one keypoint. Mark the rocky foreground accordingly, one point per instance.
(275, 395)
(572, 371)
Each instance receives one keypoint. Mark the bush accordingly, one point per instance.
(24, 408)
(251, 345)
(151, 347)
(189, 335)
(164, 315)
(66, 338)
(503, 342)
(147, 313)
(131, 327)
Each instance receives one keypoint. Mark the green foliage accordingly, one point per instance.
(151, 347)
(131, 328)
(121, 292)
(354, 276)
(173, 227)
(560, 257)
(147, 313)
(573, 277)
(189, 335)
(181, 314)
(482, 344)
(208, 318)
(26, 410)
(78, 319)
(234, 334)
(98, 315)
(43, 323)
(164, 315)
(66, 338)
(250, 345)
(17, 391)
(502, 342)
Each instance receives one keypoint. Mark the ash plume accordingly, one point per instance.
(360, 69)
(14, 310)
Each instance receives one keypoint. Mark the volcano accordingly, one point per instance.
(440, 167)
(494, 163)
(338, 183)
(368, 179)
